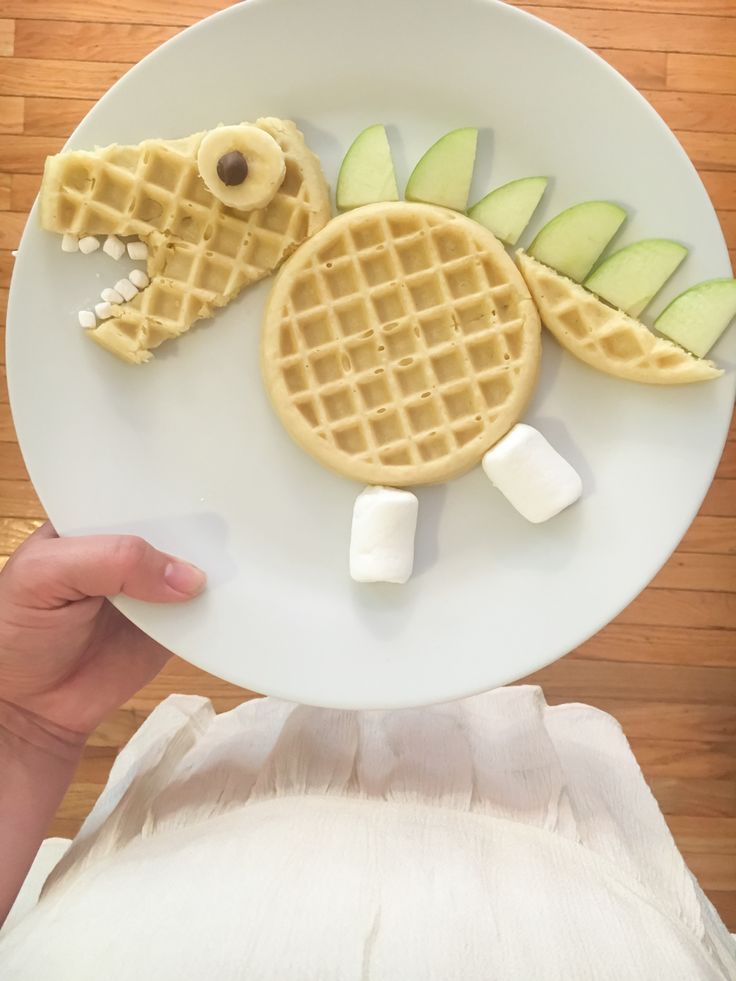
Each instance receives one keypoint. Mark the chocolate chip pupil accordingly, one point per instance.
(232, 168)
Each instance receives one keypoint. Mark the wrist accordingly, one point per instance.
(37, 760)
(30, 737)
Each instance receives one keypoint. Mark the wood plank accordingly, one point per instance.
(661, 645)
(711, 151)
(26, 154)
(687, 570)
(720, 501)
(644, 69)
(12, 467)
(41, 77)
(80, 41)
(681, 608)
(727, 466)
(697, 111)
(584, 680)
(704, 835)
(115, 731)
(54, 117)
(18, 500)
(625, 29)
(694, 796)
(7, 260)
(65, 827)
(5, 191)
(24, 188)
(14, 531)
(725, 903)
(721, 186)
(4, 397)
(678, 720)
(3, 304)
(688, 759)
(7, 430)
(700, 73)
(712, 871)
(711, 8)
(7, 35)
(78, 801)
(178, 676)
(728, 226)
(11, 228)
(182, 13)
(705, 534)
(11, 114)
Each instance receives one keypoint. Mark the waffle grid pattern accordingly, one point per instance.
(606, 338)
(402, 342)
(201, 252)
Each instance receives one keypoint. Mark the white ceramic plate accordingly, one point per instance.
(188, 453)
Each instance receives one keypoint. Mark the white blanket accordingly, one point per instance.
(493, 838)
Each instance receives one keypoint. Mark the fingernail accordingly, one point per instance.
(184, 578)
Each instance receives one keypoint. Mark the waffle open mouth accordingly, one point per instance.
(201, 253)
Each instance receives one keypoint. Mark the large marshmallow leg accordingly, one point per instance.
(382, 537)
(531, 474)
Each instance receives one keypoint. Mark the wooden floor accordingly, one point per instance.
(666, 668)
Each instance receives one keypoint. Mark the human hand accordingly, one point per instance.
(67, 656)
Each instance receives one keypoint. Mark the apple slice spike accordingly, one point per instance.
(696, 318)
(507, 210)
(630, 278)
(443, 175)
(367, 173)
(573, 240)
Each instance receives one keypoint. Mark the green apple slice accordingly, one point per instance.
(508, 209)
(444, 173)
(696, 318)
(572, 241)
(630, 278)
(367, 171)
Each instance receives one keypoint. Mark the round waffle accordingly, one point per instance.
(399, 343)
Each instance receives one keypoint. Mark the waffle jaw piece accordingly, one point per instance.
(606, 338)
(399, 344)
(201, 252)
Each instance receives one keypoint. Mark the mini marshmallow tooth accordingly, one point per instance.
(382, 536)
(531, 474)
(114, 247)
(110, 295)
(126, 289)
(103, 310)
(138, 278)
(138, 251)
(69, 243)
(87, 319)
(89, 244)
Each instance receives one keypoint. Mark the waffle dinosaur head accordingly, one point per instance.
(201, 251)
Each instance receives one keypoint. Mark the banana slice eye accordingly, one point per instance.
(243, 166)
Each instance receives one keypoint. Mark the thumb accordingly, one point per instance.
(50, 571)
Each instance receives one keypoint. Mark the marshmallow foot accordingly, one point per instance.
(531, 474)
(382, 537)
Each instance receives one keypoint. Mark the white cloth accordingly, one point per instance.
(493, 838)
